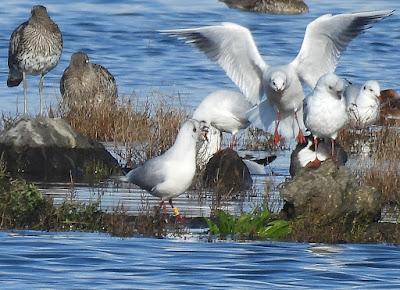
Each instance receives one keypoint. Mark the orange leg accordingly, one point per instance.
(277, 136)
(175, 210)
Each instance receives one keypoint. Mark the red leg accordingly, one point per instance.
(300, 136)
(316, 162)
(277, 136)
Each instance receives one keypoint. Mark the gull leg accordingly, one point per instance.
(41, 81)
(300, 136)
(333, 151)
(277, 136)
(316, 162)
(164, 208)
(25, 85)
(233, 141)
(175, 210)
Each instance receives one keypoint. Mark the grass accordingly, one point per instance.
(381, 168)
(147, 128)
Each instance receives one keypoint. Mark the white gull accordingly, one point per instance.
(363, 104)
(325, 110)
(233, 48)
(170, 174)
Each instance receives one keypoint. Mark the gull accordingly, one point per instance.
(234, 49)
(35, 49)
(305, 153)
(83, 81)
(226, 111)
(363, 103)
(170, 174)
(326, 111)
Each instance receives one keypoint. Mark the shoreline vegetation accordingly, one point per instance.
(146, 129)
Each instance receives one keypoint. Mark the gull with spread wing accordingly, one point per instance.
(233, 48)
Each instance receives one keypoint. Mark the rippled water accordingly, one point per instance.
(122, 36)
(95, 261)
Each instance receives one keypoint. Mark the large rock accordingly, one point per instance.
(227, 173)
(46, 149)
(269, 6)
(330, 192)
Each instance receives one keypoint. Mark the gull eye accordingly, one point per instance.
(330, 87)
(194, 130)
(274, 83)
(371, 90)
(364, 88)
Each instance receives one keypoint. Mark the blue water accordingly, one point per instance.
(122, 36)
(31, 260)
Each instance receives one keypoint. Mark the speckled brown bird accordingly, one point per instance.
(35, 49)
(390, 108)
(85, 82)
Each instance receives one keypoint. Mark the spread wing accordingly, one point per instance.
(233, 48)
(326, 38)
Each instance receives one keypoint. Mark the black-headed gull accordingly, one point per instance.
(305, 153)
(363, 103)
(233, 48)
(326, 111)
(170, 174)
(225, 110)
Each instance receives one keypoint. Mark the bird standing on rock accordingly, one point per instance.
(326, 111)
(83, 81)
(170, 174)
(35, 49)
(234, 49)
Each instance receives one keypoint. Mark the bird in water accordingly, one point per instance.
(170, 174)
(232, 46)
(35, 49)
(85, 82)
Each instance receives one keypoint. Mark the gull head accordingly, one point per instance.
(332, 84)
(278, 81)
(193, 130)
(372, 90)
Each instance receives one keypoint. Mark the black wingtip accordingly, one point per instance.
(13, 82)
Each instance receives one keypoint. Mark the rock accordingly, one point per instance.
(46, 149)
(330, 192)
(269, 6)
(227, 173)
(305, 153)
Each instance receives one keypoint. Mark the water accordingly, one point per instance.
(95, 261)
(122, 35)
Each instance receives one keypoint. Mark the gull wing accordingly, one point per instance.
(232, 46)
(326, 38)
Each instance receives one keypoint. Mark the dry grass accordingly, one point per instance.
(381, 168)
(146, 128)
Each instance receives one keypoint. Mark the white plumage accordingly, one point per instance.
(233, 48)
(363, 104)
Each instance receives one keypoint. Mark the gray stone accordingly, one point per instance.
(227, 173)
(46, 149)
(330, 192)
(269, 6)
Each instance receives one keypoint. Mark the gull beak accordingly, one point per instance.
(339, 94)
